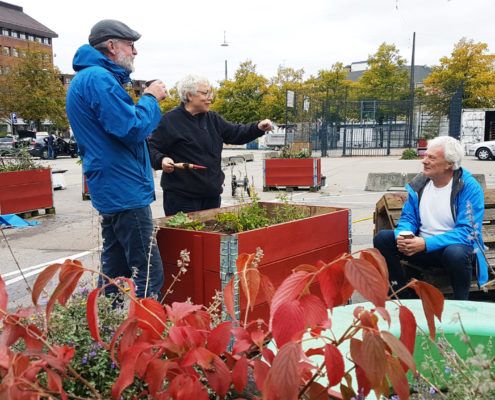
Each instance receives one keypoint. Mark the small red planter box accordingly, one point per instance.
(292, 172)
(322, 236)
(23, 191)
(421, 147)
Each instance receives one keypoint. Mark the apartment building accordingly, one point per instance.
(20, 33)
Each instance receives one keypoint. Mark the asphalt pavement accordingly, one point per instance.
(74, 232)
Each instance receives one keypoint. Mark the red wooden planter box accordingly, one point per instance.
(421, 147)
(292, 172)
(322, 236)
(22, 191)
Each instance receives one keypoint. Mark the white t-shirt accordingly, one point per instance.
(434, 210)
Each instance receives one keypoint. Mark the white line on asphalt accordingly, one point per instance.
(36, 269)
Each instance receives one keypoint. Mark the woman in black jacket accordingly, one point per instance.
(190, 133)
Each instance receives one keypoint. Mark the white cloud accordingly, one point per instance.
(181, 37)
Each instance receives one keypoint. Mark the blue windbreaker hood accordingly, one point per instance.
(87, 56)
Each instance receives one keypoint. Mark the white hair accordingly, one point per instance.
(451, 147)
(189, 85)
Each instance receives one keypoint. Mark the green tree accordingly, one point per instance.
(240, 100)
(332, 89)
(170, 102)
(387, 78)
(33, 89)
(470, 65)
(273, 104)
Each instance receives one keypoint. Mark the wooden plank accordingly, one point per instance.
(395, 201)
(490, 198)
(395, 215)
(488, 232)
(489, 215)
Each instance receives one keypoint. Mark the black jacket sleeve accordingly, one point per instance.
(237, 133)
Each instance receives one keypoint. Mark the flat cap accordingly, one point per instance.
(111, 29)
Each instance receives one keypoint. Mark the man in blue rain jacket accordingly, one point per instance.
(111, 133)
(444, 215)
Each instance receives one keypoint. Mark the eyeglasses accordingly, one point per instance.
(209, 94)
(130, 44)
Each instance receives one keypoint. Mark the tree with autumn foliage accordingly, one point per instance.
(470, 65)
(180, 353)
(32, 88)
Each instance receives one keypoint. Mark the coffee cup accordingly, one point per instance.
(406, 234)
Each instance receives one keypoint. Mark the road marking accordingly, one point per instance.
(36, 269)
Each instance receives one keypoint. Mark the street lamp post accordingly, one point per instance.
(225, 44)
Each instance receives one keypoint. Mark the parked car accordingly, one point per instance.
(61, 147)
(483, 150)
(7, 145)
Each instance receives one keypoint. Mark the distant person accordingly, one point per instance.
(443, 216)
(50, 141)
(111, 133)
(191, 133)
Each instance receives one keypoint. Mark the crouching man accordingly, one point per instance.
(441, 221)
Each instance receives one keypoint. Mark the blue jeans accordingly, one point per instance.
(456, 259)
(173, 203)
(127, 238)
(51, 154)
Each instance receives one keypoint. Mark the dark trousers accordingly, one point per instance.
(130, 250)
(173, 203)
(456, 259)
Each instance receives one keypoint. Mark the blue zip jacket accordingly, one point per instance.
(467, 205)
(111, 133)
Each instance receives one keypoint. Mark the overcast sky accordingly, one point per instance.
(181, 37)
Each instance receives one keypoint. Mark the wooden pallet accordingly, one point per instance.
(386, 216)
(36, 213)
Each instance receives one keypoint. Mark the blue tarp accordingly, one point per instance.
(14, 221)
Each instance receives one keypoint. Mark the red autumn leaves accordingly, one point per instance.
(178, 352)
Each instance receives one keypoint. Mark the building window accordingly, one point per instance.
(38, 39)
(22, 53)
(15, 53)
(5, 32)
(31, 38)
(14, 34)
(22, 36)
(46, 41)
(6, 51)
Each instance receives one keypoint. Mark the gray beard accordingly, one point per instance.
(125, 62)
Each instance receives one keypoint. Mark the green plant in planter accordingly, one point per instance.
(249, 216)
(182, 221)
(20, 162)
(286, 211)
(286, 152)
(409, 154)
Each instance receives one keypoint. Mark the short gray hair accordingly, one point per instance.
(189, 85)
(102, 47)
(452, 149)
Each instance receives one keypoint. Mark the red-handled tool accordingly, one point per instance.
(184, 165)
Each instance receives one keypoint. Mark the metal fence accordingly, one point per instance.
(350, 127)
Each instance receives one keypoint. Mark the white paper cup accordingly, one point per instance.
(406, 234)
